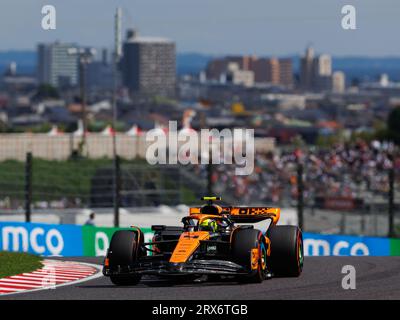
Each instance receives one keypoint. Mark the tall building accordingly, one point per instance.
(149, 65)
(338, 82)
(56, 66)
(286, 72)
(315, 72)
(266, 70)
(322, 66)
(322, 73)
(306, 69)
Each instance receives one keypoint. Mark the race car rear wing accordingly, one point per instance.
(246, 214)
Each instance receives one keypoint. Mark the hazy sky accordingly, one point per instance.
(262, 27)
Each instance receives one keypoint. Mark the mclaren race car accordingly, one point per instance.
(214, 241)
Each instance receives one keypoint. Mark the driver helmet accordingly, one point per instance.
(208, 225)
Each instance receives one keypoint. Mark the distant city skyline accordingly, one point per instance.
(273, 28)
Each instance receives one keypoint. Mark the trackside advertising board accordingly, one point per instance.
(41, 239)
(74, 240)
(96, 240)
(341, 245)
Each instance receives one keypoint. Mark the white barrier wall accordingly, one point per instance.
(14, 146)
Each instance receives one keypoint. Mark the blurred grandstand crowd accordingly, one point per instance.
(353, 170)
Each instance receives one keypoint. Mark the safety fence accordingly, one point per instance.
(38, 185)
(76, 240)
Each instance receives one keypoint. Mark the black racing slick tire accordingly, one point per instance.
(287, 257)
(122, 253)
(243, 242)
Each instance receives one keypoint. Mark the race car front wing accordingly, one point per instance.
(196, 267)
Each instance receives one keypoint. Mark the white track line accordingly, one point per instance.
(13, 291)
(18, 285)
(34, 278)
(68, 268)
(98, 274)
(21, 281)
(41, 276)
(50, 269)
(54, 274)
(65, 273)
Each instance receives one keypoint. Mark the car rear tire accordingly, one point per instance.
(286, 259)
(122, 254)
(243, 242)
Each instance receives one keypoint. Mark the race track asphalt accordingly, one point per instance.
(376, 278)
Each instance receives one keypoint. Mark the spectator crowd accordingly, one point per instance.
(352, 170)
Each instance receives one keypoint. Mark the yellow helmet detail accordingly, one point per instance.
(208, 225)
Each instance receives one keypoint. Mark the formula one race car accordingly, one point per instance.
(208, 243)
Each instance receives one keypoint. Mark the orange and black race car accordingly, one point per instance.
(213, 241)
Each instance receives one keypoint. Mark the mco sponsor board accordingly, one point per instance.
(343, 245)
(57, 240)
(42, 239)
(74, 240)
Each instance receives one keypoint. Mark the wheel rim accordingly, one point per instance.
(263, 257)
(300, 253)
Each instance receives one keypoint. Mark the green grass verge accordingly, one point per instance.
(12, 263)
